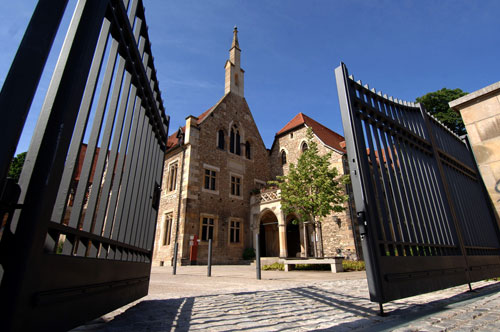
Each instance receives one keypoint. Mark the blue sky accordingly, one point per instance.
(291, 48)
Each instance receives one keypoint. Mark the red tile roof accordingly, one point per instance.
(173, 140)
(326, 135)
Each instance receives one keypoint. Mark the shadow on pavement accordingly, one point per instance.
(304, 308)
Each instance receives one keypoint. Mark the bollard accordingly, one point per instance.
(209, 266)
(257, 255)
(174, 271)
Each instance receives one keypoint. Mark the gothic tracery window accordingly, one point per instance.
(234, 141)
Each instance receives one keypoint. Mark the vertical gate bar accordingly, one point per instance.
(143, 189)
(132, 9)
(411, 202)
(430, 203)
(17, 94)
(388, 187)
(127, 138)
(112, 163)
(150, 191)
(135, 178)
(134, 221)
(396, 182)
(130, 155)
(445, 222)
(126, 203)
(159, 178)
(405, 152)
(81, 123)
(359, 175)
(104, 149)
(392, 186)
(142, 176)
(93, 138)
(128, 176)
(400, 177)
(44, 165)
(383, 230)
(433, 199)
(448, 196)
(420, 192)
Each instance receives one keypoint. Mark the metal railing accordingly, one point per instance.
(426, 220)
(80, 241)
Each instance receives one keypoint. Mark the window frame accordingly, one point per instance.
(240, 185)
(239, 228)
(212, 217)
(167, 228)
(216, 171)
(172, 185)
(283, 153)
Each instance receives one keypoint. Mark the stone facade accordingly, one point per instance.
(214, 166)
(339, 233)
(480, 111)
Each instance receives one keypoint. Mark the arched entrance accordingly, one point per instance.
(269, 239)
(292, 236)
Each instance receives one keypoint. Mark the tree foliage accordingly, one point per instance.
(312, 189)
(16, 166)
(436, 103)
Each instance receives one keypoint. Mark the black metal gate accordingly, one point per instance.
(77, 233)
(427, 222)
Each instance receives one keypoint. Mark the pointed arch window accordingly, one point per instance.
(304, 147)
(283, 157)
(235, 141)
(220, 139)
(248, 151)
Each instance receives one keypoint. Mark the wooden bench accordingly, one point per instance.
(335, 263)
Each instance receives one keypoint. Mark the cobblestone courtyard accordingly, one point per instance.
(233, 300)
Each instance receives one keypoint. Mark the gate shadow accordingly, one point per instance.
(304, 308)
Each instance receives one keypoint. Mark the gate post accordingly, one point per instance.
(257, 256)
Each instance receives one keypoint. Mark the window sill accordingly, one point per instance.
(208, 191)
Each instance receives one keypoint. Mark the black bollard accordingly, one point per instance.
(174, 271)
(209, 266)
(257, 255)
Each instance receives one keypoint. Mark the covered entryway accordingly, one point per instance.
(269, 239)
(293, 236)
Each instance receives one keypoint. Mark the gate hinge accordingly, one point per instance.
(156, 196)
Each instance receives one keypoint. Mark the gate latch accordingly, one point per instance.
(362, 224)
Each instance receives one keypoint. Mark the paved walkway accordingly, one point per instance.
(233, 300)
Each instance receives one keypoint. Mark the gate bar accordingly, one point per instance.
(17, 94)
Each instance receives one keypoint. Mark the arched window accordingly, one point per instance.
(248, 152)
(220, 140)
(304, 147)
(234, 141)
(283, 157)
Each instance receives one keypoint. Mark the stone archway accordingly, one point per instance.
(269, 235)
(293, 237)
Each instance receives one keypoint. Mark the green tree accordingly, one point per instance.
(436, 103)
(16, 166)
(312, 189)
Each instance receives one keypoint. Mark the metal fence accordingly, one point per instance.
(78, 242)
(426, 220)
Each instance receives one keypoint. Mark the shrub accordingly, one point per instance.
(353, 265)
(274, 267)
(249, 253)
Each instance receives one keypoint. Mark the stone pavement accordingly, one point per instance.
(233, 300)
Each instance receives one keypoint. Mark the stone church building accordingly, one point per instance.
(214, 184)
